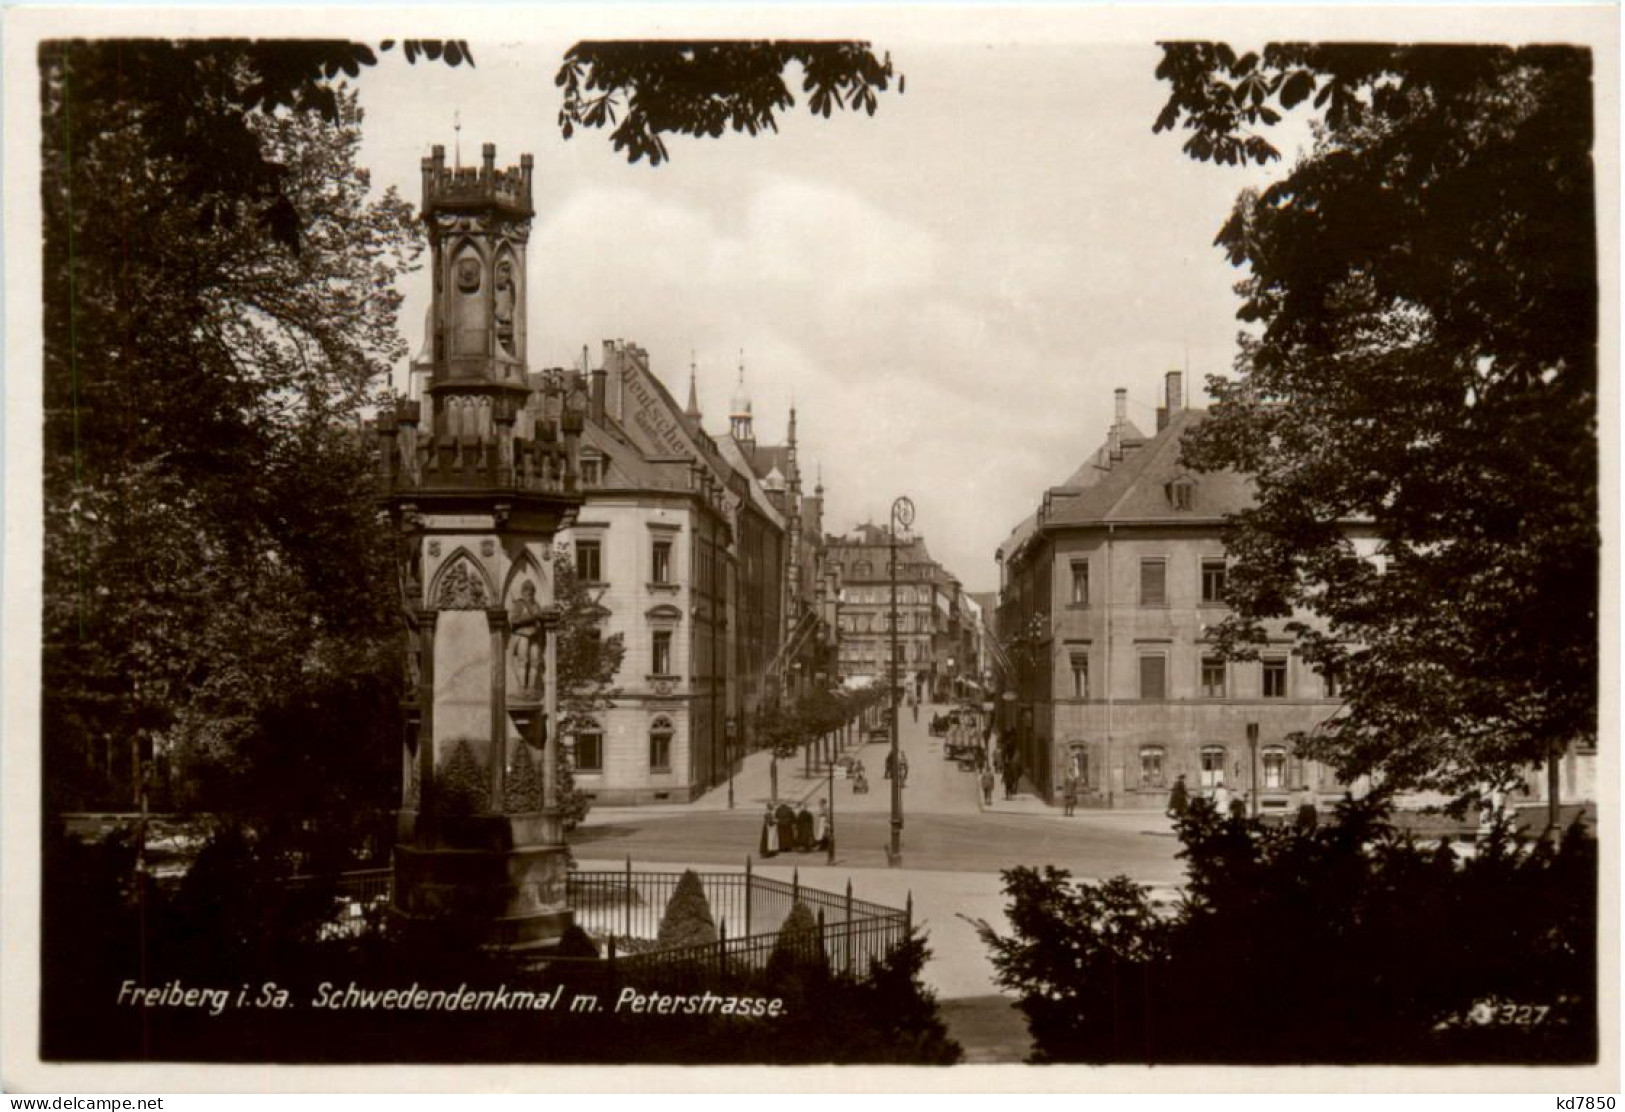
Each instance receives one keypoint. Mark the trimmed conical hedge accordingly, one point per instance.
(688, 920)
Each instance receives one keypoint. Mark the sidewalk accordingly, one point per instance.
(752, 790)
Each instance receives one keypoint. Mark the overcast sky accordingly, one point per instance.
(949, 291)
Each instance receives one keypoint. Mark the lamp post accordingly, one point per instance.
(902, 515)
(729, 737)
(1252, 749)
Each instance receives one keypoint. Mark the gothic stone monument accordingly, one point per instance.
(478, 475)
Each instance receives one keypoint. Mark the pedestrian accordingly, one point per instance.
(860, 782)
(769, 846)
(1009, 779)
(902, 771)
(914, 709)
(1238, 808)
(1179, 799)
(987, 786)
(1071, 794)
(1308, 812)
(821, 826)
(1221, 800)
(891, 764)
(806, 830)
(785, 818)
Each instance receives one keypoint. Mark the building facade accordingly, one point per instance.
(1107, 593)
(931, 646)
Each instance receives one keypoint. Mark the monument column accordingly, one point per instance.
(482, 844)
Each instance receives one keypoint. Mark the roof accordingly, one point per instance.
(1136, 489)
(765, 459)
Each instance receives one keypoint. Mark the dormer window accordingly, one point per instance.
(1181, 492)
(592, 470)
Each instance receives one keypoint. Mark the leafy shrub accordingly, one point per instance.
(688, 920)
(1347, 943)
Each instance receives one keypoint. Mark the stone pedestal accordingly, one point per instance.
(504, 877)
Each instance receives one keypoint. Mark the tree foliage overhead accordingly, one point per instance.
(648, 90)
(1422, 287)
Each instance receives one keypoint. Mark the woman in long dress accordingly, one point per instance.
(821, 825)
(770, 834)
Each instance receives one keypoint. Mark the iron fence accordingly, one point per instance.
(621, 910)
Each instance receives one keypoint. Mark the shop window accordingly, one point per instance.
(1273, 760)
(1151, 766)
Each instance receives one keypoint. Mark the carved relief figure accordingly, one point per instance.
(525, 619)
(461, 588)
(503, 310)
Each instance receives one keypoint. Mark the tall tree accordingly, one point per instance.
(1422, 288)
(214, 579)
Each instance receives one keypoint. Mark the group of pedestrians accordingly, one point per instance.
(787, 830)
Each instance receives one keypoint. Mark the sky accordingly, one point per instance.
(948, 291)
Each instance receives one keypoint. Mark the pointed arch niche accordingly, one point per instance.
(460, 593)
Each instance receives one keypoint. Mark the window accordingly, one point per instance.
(662, 561)
(1151, 766)
(662, 652)
(589, 748)
(1154, 677)
(1275, 678)
(1181, 493)
(1213, 677)
(1154, 582)
(591, 471)
(590, 561)
(1213, 580)
(1212, 766)
(1333, 684)
(660, 732)
(1273, 758)
(1080, 676)
(1080, 584)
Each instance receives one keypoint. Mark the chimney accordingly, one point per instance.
(599, 378)
(488, 161)
(1114, 438)
(1173, 392)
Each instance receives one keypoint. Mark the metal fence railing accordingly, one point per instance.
(622, 908)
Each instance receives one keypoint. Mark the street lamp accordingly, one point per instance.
(1252, 747)
(902, 515)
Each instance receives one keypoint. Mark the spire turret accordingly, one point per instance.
(693, 410)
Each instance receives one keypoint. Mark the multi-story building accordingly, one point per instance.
(928, 623)
(1107, 593)
(656, 544)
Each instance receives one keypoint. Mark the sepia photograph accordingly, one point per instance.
(992, 539)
